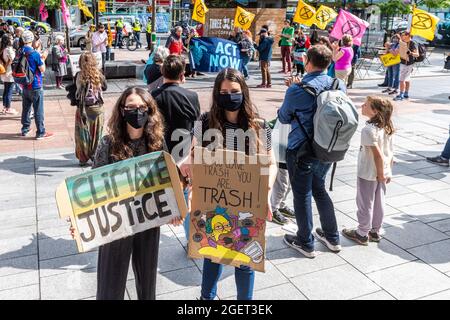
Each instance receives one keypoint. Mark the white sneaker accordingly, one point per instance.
(320, 235)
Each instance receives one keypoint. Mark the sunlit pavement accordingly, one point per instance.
(39, 260)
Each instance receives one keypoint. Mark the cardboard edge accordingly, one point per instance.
(261, 267)
(65, 211)
(176, 184)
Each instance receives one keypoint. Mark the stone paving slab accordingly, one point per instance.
(342, 282)
(413, 234)
(38, 258)
(411, 280)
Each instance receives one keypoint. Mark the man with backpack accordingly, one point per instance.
(28, 68)
(309, 159)
(407, 66)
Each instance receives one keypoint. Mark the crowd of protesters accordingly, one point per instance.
(144, 120)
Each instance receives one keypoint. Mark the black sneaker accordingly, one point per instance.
(333, 246)
(291, 241)
(386, 90)
(382, 85)
(278, 218)
(439, 161)
(354, 236)
(287, 212)
(374, 236)
(393, 92)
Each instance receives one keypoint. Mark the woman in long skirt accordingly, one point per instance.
(89, 116)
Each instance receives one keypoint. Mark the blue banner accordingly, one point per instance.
(162, 22)
(214, 54)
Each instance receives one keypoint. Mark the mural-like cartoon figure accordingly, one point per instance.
(223, 235)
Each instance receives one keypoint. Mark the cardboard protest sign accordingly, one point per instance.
(229, 209)
(75, 61)
(389, 59)
(121, 199)
(403, 50)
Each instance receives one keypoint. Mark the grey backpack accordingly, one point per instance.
(335, 123)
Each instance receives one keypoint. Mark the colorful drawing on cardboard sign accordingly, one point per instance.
(228, 235)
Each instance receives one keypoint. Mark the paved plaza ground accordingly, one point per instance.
(39, 260)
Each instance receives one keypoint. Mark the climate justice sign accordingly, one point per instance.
(121, 199)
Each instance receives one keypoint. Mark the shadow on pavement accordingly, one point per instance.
(30, 166)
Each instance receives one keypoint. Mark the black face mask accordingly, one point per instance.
(136, 118)
(230, 101)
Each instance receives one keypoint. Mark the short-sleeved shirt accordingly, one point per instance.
(371, 136)
(290, 32)
(411, 47)
(230, 139)
(345, 62)
(98, 42)
(34, 61)
(8, 54)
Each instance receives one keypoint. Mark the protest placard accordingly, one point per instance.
(75, 61)
(121, 199)
(403, 50)
(389, 59)
(229, 209)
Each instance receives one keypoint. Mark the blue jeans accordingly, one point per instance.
(188, 216)
(245, 61)
(393, 73)
(244, 278)
(446, 153)
(308, 180)
(137, 37)
(118, 40)
(35, 98)
(7, 94)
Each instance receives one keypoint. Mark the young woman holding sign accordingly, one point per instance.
(135, 128)
(231, 110)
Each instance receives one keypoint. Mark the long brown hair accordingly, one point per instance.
(248, 115)
(383, 117)
(117, 126)
(89, 71)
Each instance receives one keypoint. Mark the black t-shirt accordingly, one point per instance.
(180, 108)
(231, 142)
(152, 72)
(411, 47)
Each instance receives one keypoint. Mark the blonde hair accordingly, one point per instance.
(346, 39)
(383, 117)
(89, 71)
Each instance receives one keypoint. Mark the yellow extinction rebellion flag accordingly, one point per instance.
(423, 24)
(199, 12)
(243, 19)
(82, 6)
(324, 16)
(305, 14)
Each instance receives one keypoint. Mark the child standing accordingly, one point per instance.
(375, 162)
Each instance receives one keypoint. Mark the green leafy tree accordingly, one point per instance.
(26, 4)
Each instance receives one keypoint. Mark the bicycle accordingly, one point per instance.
(131, 42)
